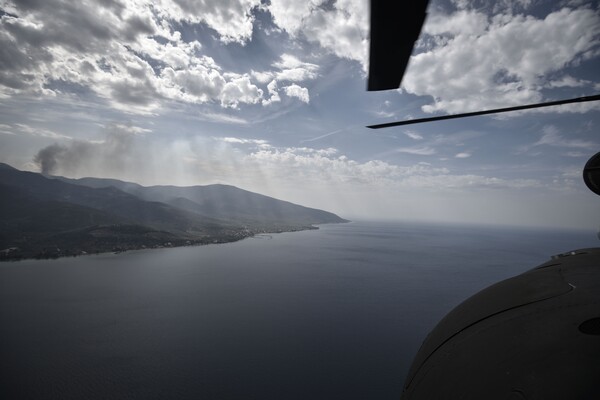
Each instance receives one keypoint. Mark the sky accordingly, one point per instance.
(270, 96)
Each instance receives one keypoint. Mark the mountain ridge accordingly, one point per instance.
(48, 216)
(217, 201)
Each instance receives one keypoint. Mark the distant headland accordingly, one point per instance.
(48, 216)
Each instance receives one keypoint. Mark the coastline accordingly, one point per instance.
(50, 252)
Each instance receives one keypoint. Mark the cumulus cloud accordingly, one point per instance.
(133, 55)
(468, 61)
(60, 41)
(232, 19)
(327, 165)
(292, 69)
(240, 90)
(130, 54)
(340, 27)
(287, 69)
(273, 93)
(297, 91)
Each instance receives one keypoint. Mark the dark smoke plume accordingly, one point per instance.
(47, 158)
(110, 156)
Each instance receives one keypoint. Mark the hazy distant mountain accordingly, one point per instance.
(219, 201)
(49, 216)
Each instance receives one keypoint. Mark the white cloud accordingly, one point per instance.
(498, 6)
(463, 22)
(289, 14)
(241, 140)
(420, 151)
(463, 155)
(550, 137)
(289, 61)
(175, 53)
(288, 69)
(131, 54)
(40, 132)
(577, 154)
(262, 77)
(128, 54)
(298, 92)
(7, 129)
(341, 27)
(203, 82)
(232, 19)
(384, 114)
(273, 94)
(413, 135)
(295, 75)
(240, 90)
(568, 81)
(327, 166)
(485, 62)
(134, 130)
(222, 118)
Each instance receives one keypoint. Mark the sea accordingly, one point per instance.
(334, 313)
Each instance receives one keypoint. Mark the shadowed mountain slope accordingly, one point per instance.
(221, 201)
(48, 216)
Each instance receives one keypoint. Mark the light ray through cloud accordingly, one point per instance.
(270, 96)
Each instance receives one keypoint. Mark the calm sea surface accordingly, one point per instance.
(336, 313)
